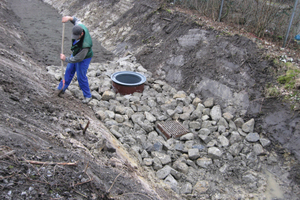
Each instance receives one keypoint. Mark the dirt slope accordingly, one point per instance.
(35, 125)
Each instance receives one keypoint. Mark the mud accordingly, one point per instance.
(37, 160)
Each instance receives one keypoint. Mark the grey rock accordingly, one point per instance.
(258, 149)
(181, 166)
(248, 127)
(119, 118)
(239, 122)
(193, 154)
(148, 161)
(201, 187)
(157, 163)
(204, 162)
(235, 137)
(196, 101)
(212, 143)
(223, 122)
(157, 146)
(200, 147)
(206, 111)
(143, 108)
(228, 116)
(171, 112)
(107, 95)
(216, 113)
(196, 114)
(164, 159)
(170, 180)
(241, 132)
(188, 136)
(184, 116)
(145, 154)
(116, 133)
(102, 115)
(232, 126)
(224, 168)
(221, 129)
(191, 163)
(128, 111)
(194, 125)
(249, 178)
(152, 136)
(176, 174)
(252, 156)
(147, 126)
(252, 137)
(223, 141)
(209, 102)
(163, 172)
(179, 146)
(204, 132)
(265, 142)
(152, 103)
(138, 117)
(214, 152)
(236, 148)
(110, 114)
(96, 95)
(186, 188)
(150, 117)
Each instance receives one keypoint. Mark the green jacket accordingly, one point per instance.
(86, 42)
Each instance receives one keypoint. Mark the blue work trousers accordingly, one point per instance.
(81, 69)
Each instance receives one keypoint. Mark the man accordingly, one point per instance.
(80, 59)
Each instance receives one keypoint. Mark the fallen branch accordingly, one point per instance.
(82, 182)
(7, 154)
(87, 125)
(114, 181)
(80, 194)
(50, 163)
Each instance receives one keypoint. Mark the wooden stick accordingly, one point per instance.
(80, 194)
(50, 163)
(87, 125)
(114, 181)
(7, 154)
(82, 182)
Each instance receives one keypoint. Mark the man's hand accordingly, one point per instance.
(66, 19)
(62, 57)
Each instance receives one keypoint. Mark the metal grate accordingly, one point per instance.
(170, 129)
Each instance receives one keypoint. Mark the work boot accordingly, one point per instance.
(86, 99)
(58, 92)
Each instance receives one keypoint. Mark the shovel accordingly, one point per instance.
(62, 62)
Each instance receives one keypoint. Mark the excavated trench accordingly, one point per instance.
(273, 117)
(42, 25)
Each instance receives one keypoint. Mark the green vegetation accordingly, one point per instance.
(168, 10)
(289, 78)
(288, 74)
(272, 91)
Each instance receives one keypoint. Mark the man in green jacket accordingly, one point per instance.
(80, 59)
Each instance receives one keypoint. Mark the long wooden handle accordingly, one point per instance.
(62, 49)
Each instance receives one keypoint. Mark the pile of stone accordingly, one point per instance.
(221, 153)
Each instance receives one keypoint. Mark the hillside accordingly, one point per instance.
(59, 148)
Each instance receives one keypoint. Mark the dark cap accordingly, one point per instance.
(76, 32)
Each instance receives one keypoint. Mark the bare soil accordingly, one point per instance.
(36, 163)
